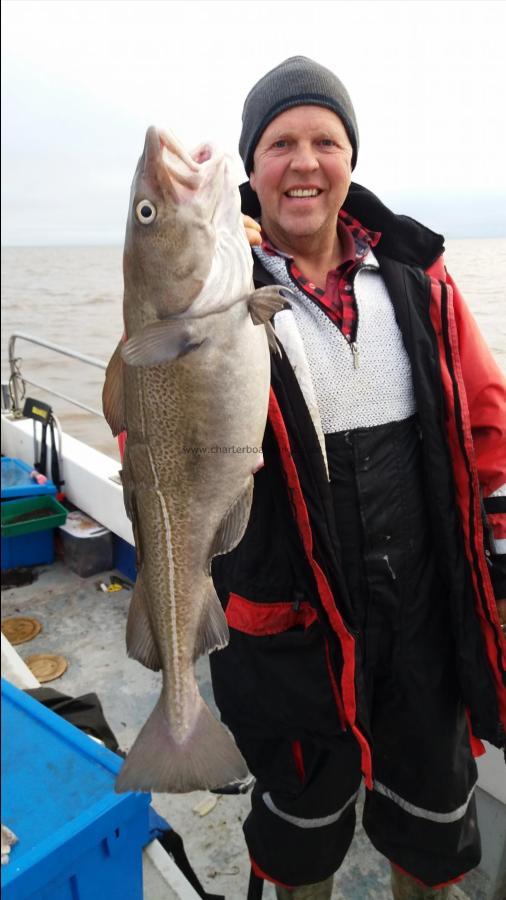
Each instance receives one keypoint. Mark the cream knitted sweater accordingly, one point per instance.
(355, 385)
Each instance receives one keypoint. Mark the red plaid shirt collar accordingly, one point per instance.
(356, 240)
(337, 300)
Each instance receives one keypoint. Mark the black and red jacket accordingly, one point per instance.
(293, 667)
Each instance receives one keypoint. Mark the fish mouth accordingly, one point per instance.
(166, 162)
(196, 179)
(209, 160)
(213, 170)
(186, 176)
(203, 154)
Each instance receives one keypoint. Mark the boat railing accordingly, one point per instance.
(18, 381)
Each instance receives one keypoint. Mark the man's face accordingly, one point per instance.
(304, 149)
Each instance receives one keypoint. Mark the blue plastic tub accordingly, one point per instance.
(28, 525)
(124, 558)
(17, 480)
(78, 840)
(35, 549)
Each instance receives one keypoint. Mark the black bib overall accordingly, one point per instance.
(421, 813)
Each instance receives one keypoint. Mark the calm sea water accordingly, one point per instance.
(73, 296)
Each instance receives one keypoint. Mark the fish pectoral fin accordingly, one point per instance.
(266, 301)
(139, 635)
(271, 338)
(112, 394)
(162, 342)
(212, 632)
(233, 525)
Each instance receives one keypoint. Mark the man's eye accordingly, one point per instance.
(280, 144)
(328, 142)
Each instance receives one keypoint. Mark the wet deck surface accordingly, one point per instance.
(87, 626)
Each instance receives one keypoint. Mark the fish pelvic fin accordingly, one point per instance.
(234, 522)
(113, 402)
(212, 633)
(266, 301)
(139, 634)
(207, 758)
(161, 342)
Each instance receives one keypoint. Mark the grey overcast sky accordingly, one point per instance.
(82, 80)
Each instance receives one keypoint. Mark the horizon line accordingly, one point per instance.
(119, 245)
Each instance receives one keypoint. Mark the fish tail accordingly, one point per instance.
(207, 758)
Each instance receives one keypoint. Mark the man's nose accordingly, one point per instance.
(304, 159)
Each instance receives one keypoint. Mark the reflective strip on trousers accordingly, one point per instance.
(300, 822)
(442, 818)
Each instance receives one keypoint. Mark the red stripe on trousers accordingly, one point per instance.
(298, 759)
(266, 618)
(327, 599)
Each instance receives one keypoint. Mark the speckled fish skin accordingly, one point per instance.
(186, 399)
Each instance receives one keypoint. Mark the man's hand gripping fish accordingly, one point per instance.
(190, 386)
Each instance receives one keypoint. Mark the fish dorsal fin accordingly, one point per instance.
(266, 301)
(161, 342)
(233, 524)
(112, 395)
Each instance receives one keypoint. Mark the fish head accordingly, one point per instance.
(176, 200)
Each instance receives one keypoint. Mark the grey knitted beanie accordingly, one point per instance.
(295, 82)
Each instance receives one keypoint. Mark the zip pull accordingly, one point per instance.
(356, 354)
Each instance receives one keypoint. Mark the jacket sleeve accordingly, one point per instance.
(486, 393)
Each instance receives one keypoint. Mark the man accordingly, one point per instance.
(365, 636)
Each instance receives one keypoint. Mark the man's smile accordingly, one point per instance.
(303, 193)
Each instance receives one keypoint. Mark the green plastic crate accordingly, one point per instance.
(18, 518)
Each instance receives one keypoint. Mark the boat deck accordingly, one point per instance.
(87, 627)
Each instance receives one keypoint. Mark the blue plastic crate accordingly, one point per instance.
(35, 549)
(17, 481)
(124, 558)
(78, 840)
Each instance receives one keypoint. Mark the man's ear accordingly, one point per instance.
(252, 181)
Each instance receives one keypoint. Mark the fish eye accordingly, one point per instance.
(145, 212)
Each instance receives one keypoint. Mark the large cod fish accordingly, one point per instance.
(190, 386)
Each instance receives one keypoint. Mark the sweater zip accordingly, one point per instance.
(353, 345)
